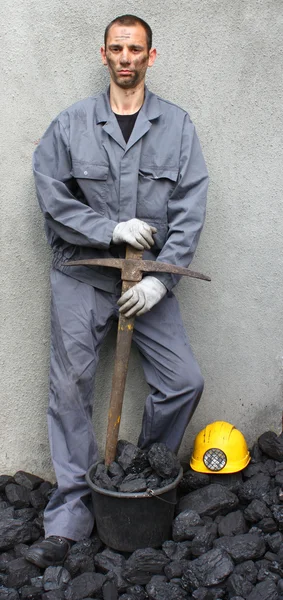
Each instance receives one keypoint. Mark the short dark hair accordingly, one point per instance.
(129, 20)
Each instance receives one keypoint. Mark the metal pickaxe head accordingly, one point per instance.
(133, 266)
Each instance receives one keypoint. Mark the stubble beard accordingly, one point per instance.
(126, 82)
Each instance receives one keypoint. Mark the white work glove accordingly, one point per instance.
(134, 232)
(142, 297)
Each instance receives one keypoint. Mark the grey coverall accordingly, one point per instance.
(88, 179)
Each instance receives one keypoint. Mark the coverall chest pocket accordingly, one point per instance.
(92, 181)
(154, 189)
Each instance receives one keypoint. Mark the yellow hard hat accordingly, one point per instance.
(219, 448)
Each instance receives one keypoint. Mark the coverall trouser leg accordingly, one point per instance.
(80, 318)
(172, 372)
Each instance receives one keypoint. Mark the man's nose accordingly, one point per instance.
(125, 57)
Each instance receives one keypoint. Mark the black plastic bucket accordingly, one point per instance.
(127, 522)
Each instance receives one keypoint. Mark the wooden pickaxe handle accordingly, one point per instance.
(122, 355)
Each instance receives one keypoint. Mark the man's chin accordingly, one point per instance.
(126, 83)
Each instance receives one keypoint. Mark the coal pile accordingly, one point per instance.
(226, 544)
(135, 470)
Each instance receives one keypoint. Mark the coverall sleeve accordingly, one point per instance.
(69, 218)
(186, 206)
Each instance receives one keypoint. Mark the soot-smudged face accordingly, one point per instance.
(127, 55)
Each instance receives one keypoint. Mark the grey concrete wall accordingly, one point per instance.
(222, 61)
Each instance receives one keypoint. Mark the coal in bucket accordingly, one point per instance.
(128, 521)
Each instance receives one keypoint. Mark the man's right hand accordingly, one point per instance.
(134, 232)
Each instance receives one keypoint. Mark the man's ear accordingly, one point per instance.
(152, 56)
(103, 55)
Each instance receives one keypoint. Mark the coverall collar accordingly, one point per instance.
(149, 111)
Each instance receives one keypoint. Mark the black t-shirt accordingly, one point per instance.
(126, 123)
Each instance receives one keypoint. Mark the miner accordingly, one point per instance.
(121, 167)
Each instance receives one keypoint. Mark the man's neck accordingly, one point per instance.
(126, 102)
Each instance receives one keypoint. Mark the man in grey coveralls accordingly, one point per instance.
(124, 166)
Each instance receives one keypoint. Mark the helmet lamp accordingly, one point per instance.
(215, 459)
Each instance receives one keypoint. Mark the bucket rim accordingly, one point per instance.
(146, 494)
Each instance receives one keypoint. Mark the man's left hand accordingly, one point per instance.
(142, 297)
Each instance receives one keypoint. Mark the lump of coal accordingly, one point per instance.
(15, 529)
(163, 591)
(265, 590)
(144, 563)
(138, 484)
(277, 511)
(109, 561)
(76, 564)
(55, 578)
(254, 469)
(8, 593)
(5, 558)
(211, 594)
(154, 481)
(256, 511)
(132, 459)
(211, 500)
(204, 539)
(248, 570)
(112, 563)
(165, 482)
(175, 568)
(232, 524)
(17, 495)
(27, 480)
(115, 470)
(238, 585)
(110, 590)
(186, 525)
(102, 479)
(270, 466)
(53, 595)
(272, 445)
(267, 525)
(177, 551)
(4, 480)
(247, 546)
(84, 585)
(88, 547)
(120, 447)
(116, 481)
(138, 592)
(37, 500)
(274, 541)
(30, 592)
(163, 461)
(46, 489)
(192, 480)
(20, 571)
(255, 487)
(209, 569)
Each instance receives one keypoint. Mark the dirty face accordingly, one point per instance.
(127, 55)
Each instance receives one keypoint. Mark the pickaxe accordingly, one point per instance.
(132, 267)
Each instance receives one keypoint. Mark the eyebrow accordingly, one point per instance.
(131, 46)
